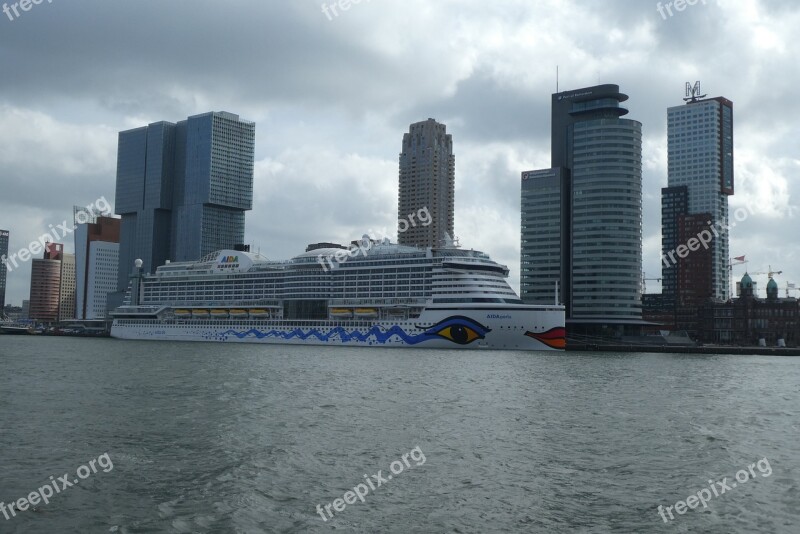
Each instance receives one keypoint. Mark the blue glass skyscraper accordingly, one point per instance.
(182, 189)
(145, 181)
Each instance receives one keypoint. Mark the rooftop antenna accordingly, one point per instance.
(556, 79)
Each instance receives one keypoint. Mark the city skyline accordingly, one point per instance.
(396, 266)
(337, 146)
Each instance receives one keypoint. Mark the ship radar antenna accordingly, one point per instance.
(449, 242)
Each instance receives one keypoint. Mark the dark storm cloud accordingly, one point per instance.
(487, 111)
(136, 57)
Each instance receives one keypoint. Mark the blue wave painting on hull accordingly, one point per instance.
(458, 329)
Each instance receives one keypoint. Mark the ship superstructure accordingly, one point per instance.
(376, 294)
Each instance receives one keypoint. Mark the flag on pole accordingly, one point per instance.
(739, 258)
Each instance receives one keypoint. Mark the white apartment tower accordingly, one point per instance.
(97, 264)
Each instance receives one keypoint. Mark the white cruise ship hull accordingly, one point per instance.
(510, 327)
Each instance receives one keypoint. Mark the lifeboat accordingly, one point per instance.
(238, 314)
(341, 313)
(259, 314)
(219, 314)
(369, 313)
(200, 314)
(182, 314)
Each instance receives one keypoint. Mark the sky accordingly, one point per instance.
(332, 94)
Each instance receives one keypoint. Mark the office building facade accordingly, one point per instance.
(674, 206)
(544, 205)
(45, 292)
(700, 159)
(67, 289)
(183, 189)
(597, 157)
(427, 181)
(96, 266)
(102, 266)
(217, 188)
(145, 181)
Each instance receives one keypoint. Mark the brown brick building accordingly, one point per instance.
(750, 321)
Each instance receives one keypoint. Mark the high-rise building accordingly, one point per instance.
(217, 187)
(589, 205)
(145, 181)
(67, 288)
(700, 159)
(96, 264)
(427, 181)
(45, 295)
(182, 189)
(4, 234)
(674, 206)
(544, 212)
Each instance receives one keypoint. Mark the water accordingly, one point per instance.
(247, 438)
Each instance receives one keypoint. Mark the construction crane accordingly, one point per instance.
(644, 282)
(769, 273)
(790, 287)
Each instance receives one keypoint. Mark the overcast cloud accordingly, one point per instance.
(332, 98)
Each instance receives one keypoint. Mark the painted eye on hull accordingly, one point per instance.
(463, 335)
(460, 330)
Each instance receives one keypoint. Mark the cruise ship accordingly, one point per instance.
(378, 294)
